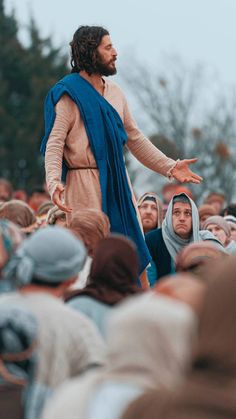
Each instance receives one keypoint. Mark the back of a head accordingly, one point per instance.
(18, 212)
(115, 263)
(206, 210)
(196, 255)
(51, 254)
(149, 338)
(91, 225)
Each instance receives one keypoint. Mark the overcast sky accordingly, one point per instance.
(198, 30)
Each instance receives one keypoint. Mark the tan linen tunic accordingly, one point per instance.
(68, 138)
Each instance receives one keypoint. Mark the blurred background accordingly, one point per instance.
(176, 64)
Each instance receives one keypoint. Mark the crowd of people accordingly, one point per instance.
(113, 306)
(80, 337)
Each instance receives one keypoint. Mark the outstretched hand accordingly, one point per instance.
(58, 198)
(184, 174)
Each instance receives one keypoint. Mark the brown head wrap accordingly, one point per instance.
(114, 271)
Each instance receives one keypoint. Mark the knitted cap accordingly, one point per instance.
(51, 254)
(219, 221)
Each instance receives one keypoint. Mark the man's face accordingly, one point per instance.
(149, 214)
(182, 219)
(106, 57)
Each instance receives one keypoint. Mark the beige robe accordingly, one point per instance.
(68, 138)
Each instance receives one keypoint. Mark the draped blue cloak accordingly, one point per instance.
(107, 136)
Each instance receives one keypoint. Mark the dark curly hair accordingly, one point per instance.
(83, 48)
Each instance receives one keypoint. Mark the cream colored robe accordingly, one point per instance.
(68, 138)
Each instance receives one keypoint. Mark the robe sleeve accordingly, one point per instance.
(143, 149)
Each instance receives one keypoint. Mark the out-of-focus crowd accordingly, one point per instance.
(80, 337)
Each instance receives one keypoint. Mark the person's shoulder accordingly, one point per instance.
(154, 234)
(65, 102)
(114, 87)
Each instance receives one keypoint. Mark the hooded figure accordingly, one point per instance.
(149, 341)
(150, 210)
(209, 391)
(179, 228)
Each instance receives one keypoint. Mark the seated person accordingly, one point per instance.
(180, 227)
(150, 210)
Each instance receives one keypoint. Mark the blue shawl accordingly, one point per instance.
(107, 136)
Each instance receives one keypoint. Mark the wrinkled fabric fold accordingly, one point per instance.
(107, 137)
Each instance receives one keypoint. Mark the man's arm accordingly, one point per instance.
(54, 153)
(151, 157)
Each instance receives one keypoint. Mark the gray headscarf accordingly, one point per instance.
(52, 254)
(175, 243)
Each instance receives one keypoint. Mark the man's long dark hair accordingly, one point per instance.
(83, 48)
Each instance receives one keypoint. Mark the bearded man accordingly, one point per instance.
(87, 124)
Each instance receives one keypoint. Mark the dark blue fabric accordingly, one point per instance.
(159, 253)
(107, 136)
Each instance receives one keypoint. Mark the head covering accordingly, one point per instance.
(53, 214)
(206, 209)
(210, 388)
(220, 222)
(91, 225)
(195, 255)
(149, 341)
(18, 212)
(114, 271)
(175, 243)
(152, 196)
(51, 254)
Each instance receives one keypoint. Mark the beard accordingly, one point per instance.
(102, 68)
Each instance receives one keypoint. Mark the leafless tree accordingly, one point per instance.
(180, 106)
